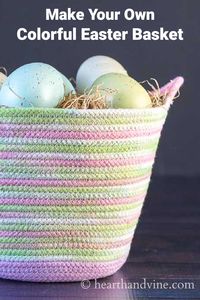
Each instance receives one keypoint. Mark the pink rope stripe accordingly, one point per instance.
(71, 202)
(77, 163)
(70, 183)
(9, 132)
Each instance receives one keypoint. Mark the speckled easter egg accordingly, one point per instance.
(94, 67)
(35, 84)
(122, 91)
(68, 87)
(2, 79)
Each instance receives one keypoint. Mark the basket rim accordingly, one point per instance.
(95, 112)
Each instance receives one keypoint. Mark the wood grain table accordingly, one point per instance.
(165, 250)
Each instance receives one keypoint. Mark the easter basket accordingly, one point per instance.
(72, 186)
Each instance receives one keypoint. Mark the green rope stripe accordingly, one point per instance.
(70, 118)
(78, 209)
(72, 257)
(55, 189)
(52, 227)
(67, 195)
(80, 170)
(79, 148)
(45, 240)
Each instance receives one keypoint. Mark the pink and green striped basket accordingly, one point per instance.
(72, 186)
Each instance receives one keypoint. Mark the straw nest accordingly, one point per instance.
(93, 99)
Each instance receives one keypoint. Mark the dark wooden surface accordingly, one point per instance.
(165, 248)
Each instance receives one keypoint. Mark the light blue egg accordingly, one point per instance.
(68, 87)
(9, 98)
(35, 84)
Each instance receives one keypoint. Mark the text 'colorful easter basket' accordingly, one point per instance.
(72, 186)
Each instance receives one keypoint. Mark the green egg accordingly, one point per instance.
(122, 91)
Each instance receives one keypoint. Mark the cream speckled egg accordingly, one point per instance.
(2, 79)
(94, 67)
(122, 91)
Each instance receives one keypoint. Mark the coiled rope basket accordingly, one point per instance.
(72, 186)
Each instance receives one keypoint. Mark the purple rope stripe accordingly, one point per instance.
(58, 271)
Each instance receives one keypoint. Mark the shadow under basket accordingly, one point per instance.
(72, 186)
